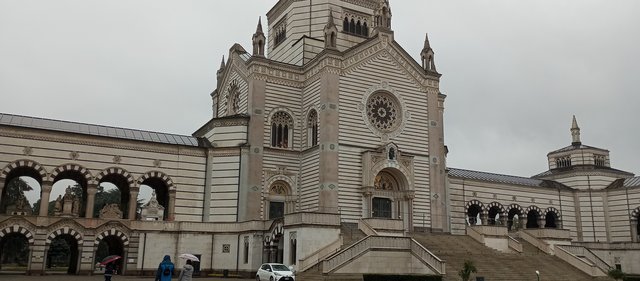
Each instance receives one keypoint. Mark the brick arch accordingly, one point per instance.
(74, 167)
(20, 230)
(112, 232)
(534, 208)
(24, 163)
(157, 174)
(62, 231)
(118, 171)
(496, 204)
(475, 202)
(517, 207)
(552, 210)
(276, 231)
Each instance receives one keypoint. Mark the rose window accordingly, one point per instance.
(383, 112)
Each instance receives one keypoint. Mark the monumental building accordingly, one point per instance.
(325, 151)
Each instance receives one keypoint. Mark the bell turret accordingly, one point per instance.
(258, 40)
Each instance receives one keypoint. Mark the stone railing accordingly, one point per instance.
(385, 224)
(587, 267)
(515, 244)
(584, 252)
(366, 228)
(550, 233)
(382, 242)
(317, 256)
(429, 258)
(304, 218)
(475, 234)
(526, 236)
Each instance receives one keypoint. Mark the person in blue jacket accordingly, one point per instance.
(165, 269)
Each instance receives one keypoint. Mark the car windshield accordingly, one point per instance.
(279, 267)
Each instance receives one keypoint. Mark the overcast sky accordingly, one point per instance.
(514, 71)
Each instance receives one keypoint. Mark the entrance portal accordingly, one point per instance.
(62, 256)
(108, 246)
(14, 253)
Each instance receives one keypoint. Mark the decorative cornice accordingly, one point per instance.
(52, 136)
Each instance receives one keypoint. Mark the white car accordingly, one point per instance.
(275, 272)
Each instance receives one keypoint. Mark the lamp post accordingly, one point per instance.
(538, 275)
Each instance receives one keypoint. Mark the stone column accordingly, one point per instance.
(523, 222)
(410, 210)
(634, 230)
(367, 204)
(92, 189)
(133, 203)
(437, 158)
(328, 115)
(541, 222)
(44, 199)
(484, 218)
(172, 205)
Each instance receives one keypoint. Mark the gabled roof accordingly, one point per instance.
(499, 178)
(96, 130)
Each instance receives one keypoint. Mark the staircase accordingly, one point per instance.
(350, 234)
(497, 266)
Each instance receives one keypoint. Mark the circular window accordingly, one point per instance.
(383, 112)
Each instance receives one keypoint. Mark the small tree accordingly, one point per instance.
(616, 274)
(467, 269)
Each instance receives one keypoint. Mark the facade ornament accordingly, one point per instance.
(111, 211)
(152, 210)
(27, 150)
(117, 159)
(157, 163)
(74, 155)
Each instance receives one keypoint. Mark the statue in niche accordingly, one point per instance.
(75, 209)
(392, 154)
(58, 205)
(21, 203)
(152, 210)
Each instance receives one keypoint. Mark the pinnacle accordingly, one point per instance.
(259, 28)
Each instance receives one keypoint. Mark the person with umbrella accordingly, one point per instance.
(187, 272)
(165, 269)
(108, 272)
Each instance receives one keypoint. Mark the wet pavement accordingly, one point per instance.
(5, 277)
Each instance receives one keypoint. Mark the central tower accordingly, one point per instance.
(296, 28)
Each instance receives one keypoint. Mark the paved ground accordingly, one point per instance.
(97, 278)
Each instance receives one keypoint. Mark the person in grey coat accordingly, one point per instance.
(187, 272)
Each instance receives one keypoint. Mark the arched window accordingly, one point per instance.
(312, 129)
(352, 26)
(281, 130)
(345, 25)
(365, 29)
(532, 219)
(359, 28)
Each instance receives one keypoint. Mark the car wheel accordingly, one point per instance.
(271, 278)
(258, 278)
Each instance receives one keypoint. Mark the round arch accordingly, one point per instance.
(159, 175)
(116, 171)
(512, 211)
(18, 229)
(552, 218)
(24, 163)
(495, 209)
(474, 209)
(401, 174)
(84, 172)
(533, 214)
